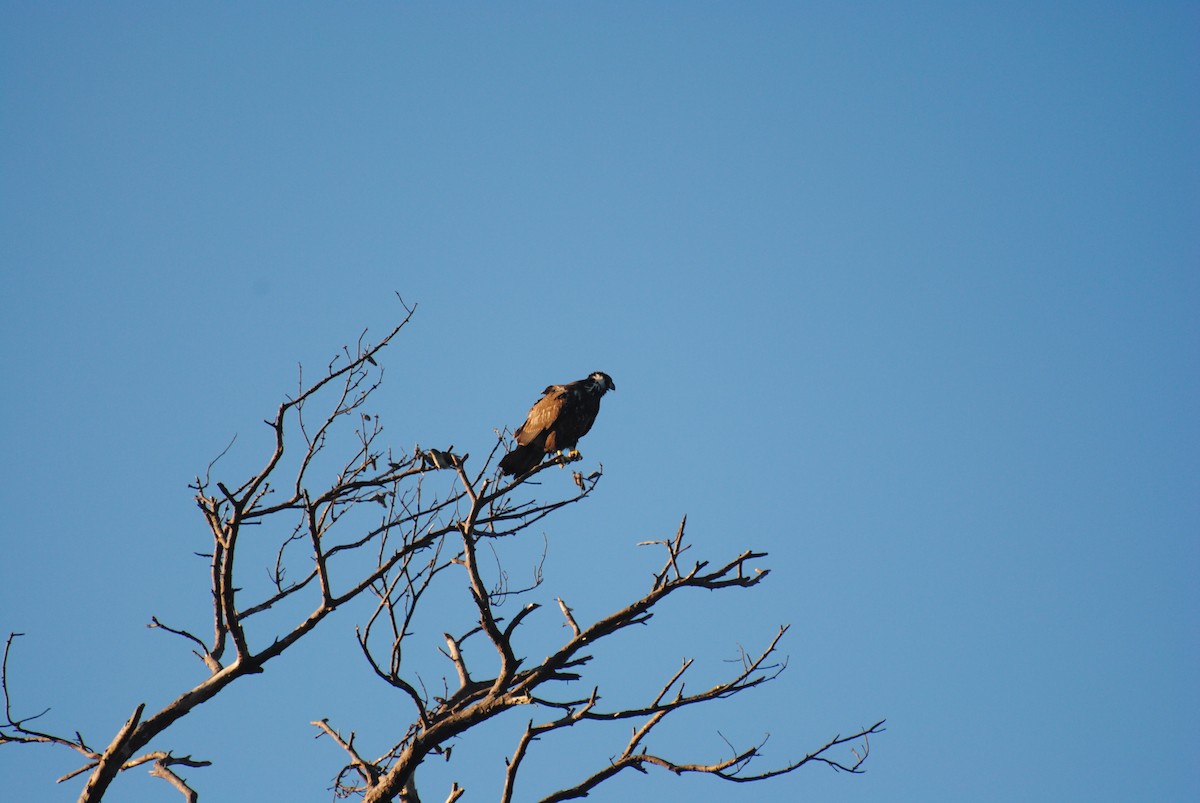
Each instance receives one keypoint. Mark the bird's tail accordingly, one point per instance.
(521, 459)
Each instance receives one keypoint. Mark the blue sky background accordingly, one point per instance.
(903, 294)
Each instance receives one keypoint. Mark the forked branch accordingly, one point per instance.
(369, 523)
(479, 695)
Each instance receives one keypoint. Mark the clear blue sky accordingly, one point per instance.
(905, 295)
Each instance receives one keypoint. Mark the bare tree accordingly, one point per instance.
(370, 525)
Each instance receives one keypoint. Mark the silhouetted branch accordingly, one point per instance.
(479, 697)
(15, 731)
(370, 524)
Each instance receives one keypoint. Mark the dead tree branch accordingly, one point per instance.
(318, 493)
(366, 523)
(479, 697)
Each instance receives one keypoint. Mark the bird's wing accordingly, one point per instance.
(542, 415)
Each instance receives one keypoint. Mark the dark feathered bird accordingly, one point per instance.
(556, 422)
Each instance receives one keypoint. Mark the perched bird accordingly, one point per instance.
(556, 422)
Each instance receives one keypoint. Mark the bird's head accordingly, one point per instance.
(603, 382)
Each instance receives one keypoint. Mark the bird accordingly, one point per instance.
(556, 422)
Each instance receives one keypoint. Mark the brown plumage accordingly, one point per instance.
(556, 422)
